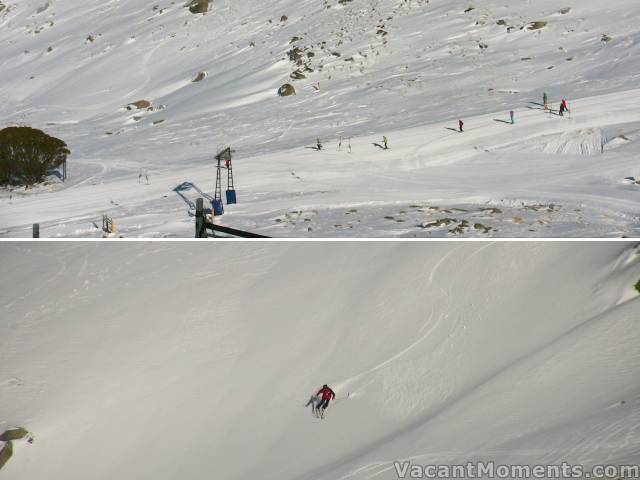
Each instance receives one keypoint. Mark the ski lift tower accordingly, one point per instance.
(218, 209)
(223, 156)
(231, 192)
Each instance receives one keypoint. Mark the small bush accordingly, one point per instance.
(27, 155)
(13, 434)
(5, 453)
(638, 286)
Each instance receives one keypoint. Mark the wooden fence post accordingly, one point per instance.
(201, 229)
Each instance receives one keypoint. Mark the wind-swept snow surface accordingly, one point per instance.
(164, 361)
(407, 69)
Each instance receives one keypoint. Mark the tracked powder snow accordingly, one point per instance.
(164, 361)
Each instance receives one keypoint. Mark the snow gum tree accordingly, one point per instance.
(27, 155)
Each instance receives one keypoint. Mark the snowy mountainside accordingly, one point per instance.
(156, 360)
(407, 69)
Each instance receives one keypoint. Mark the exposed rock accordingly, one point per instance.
(139, 104)
(536, 25)
(438, 223)
(42, 8)
(296, 55)
(200, 76)
(286, 90)
(481, 227)
(199, 6)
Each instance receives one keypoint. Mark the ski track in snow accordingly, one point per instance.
(450, 352)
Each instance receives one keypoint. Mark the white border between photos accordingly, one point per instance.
(294, 239)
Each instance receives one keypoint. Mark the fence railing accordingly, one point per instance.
(202, 225)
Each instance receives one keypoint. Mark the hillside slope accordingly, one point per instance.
(405, 68)
(175, 360)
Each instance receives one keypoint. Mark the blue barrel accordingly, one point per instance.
(218, 209)
(231, 197)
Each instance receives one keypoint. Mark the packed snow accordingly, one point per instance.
(173, 360)
(407, 69)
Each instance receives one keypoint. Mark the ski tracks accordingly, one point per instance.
(432, 325)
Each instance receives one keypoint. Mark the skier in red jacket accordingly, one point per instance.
(327, 395)
(563, 107)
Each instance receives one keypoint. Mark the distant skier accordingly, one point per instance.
(318, 144)
(512, 115)
(385, 141)
(563, 107)
(545, 101)
(460, 125)
(327, 396)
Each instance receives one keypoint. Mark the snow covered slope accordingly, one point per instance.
(159, 361)
(405, 68)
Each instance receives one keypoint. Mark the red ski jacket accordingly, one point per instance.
(327, 393)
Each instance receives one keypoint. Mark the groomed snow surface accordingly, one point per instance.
(164, 361)
(407, 69)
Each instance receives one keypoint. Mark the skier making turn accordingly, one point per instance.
(327, 395)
